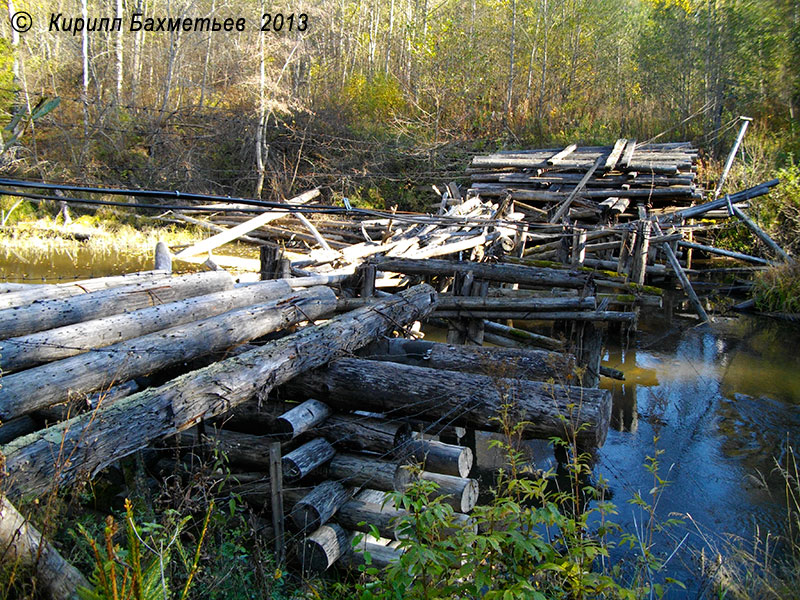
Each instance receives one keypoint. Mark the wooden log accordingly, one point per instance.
(499, 304)
(599, 315)
(301, 418)
(459, 492)
(357, 515)
(522, 336)
(14, 428)
(314, 232)
(380, 556)
(742, 196)
(162, 259)
(229, 235)
(39, 316)
(308, 457)
(507, 362)
(362, 433)
(24, 546)
(462, 398)
(364, 470)
(55, 382)
(63, 453)
(726, 253)
(65, 410)
(38, 293)
(682, 278)
(508, 273)
(276, 499)
(615, 154)
(642, 247)
(243, 449)
(564, 206)
(55, 344)
(761, 234)
(438, 457)
(324, 547)
(315, 508)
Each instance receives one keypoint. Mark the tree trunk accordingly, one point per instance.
(315, 508)
(547, 409)
(55, 344)
(59, 455)
(301, 418)
(55, 382)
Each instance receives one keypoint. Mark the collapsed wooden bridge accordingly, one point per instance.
(309, 373)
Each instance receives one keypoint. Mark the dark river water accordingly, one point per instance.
(723, 401)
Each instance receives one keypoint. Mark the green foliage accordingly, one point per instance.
(373, 102)
(532, 541)
(141, 570)
(778, 289)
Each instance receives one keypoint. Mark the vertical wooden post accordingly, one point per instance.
(368, 273)
(163, 259)
(276, 491)
(284, 268)
(269, 256)
(578, 246)
(639, 268)
(475, 326)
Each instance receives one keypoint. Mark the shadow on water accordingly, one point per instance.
(724, 402)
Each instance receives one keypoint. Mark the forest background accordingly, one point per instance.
(377, 99)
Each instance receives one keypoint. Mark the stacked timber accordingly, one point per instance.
(589, 182)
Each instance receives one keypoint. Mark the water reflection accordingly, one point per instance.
(723, 402)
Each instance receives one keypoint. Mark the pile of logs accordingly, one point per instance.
(590, 182)
(97, 371)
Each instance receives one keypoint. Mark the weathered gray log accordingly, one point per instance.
(564, 206)
(462, 398)
(598, 315)
(306, 458)
(55, 382)
(14, 428)
(244, 449)
(83, 445)
(506, 362)
(364, 470)
(301, 418)
(23, 545)
(231, 234)
(358, 432)
(509, 273)
(54, 344)
(727, 253)
(684, 280)
(438, 457)
(459, 492)
(162, 259)
(380, 556)
(384, 518)
(748, 194)
(65, 290)
(324, 547)
(8, 287)
(761, 234)
(65, 410)
(23, 320)
(467, 303)
(315, 508)
(522, 336)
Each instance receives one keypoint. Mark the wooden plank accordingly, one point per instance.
(560, 156)
(627, 155)
(564, 207)
(215, 241)
(613, 157)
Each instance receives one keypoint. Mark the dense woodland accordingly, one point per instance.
(375, 94)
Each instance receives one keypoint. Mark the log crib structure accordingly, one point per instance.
(310, 372)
